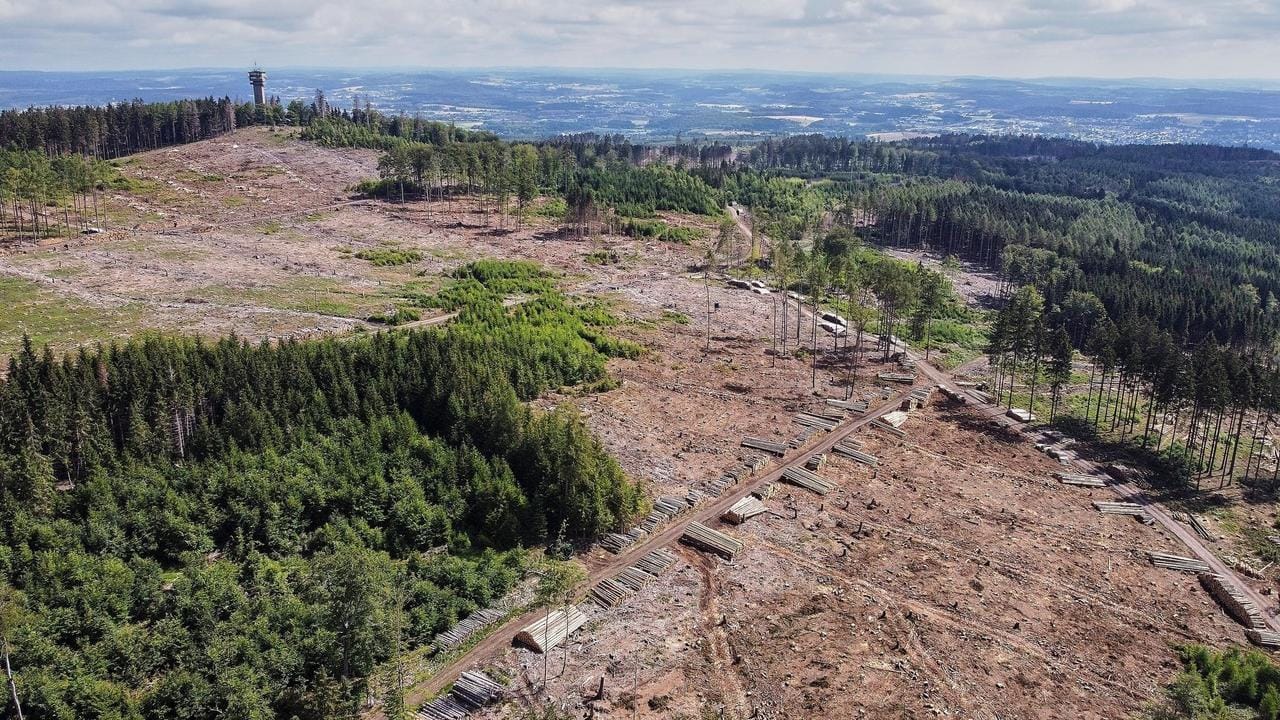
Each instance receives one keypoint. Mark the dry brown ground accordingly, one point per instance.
(977, 588)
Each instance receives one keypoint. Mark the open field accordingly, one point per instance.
(957, 579)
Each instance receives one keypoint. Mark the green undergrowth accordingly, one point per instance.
(389, 257)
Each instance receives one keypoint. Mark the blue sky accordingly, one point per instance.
(1012, 38)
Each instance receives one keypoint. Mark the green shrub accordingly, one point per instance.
(389, 257)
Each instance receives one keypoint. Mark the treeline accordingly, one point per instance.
(115, 130)
(200, 530)
(1187, 409)
(44, 195)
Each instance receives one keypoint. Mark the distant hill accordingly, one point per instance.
(658, 106)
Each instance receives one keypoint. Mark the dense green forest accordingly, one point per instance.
(201, 530)
(112, 131)
(1222, 685)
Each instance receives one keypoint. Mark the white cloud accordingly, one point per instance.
(1188, 38)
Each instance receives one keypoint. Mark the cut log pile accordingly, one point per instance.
(803, 437)
(1264, 638)
(1022, 415)
(712, 541)
(1119, 508)
(894, 419)
(920, 396)
(743, 510)
(816, 462)
(471, 691)
(853, 406)
(1198, 526)
(548, 632)
(953, 395)
(807, 480)
(821, 422)
(617, 542)
(1233, 601)
(906, 378)
(1177, 562)
(882, 425)
(469, 626)
(768, 446)
(855, 453)
(765, 491)
(1091, 481)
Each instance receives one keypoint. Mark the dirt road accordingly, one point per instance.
(500, 638)
(1126, 492)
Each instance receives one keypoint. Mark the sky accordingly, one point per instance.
(1001, 38)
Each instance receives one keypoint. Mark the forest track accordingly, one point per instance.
(599, 569)
(1125, 491)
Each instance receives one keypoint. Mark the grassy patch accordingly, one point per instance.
(50, 318)
(602, 257)
(658, 230)
(301, 294)
(389, 257)
(234, 201)
(673, 316)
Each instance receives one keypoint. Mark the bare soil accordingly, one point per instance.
(956, 580)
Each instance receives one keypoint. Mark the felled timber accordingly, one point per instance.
(803, 437)
(832, 329)
(471, 691)
(616, 542)
(765, 492)
(1122, 472)
(920, 396)
(634, 578)
(906, 378)
(1177, 562)
(670, 506)
(807, 480)
(610, 593)
(815, 421)
(743, 510)
(895, 418)
(469, 626)
(552, 630)
(983, 396)
(854, 406)
(444, 707)
(713, 541)
(755, 463)
(1092, 481)
(955, 396)
(477, 689)
(1263, 638)
(1199, 527)
(654, 520)
(768, 446)
(716, 488)
(1021, 415)
(816, 462)
(882, 425)
(1118, 508)
(656, 562)
(855, 454)
(1233, 601)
